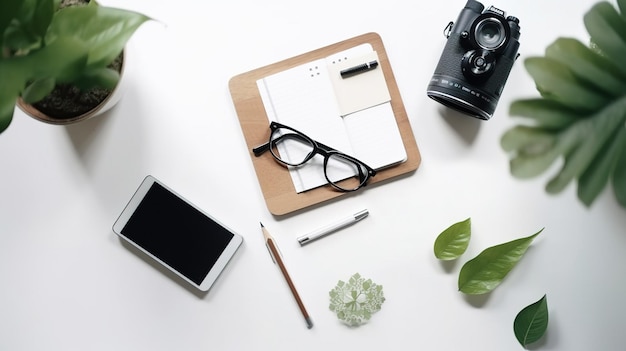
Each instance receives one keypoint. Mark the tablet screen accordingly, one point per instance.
(176, 233)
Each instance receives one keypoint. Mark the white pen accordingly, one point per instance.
(322, 232)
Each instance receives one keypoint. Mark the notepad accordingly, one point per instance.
(352, 115)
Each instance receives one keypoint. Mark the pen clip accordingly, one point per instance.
(361, 214)
(358, 69)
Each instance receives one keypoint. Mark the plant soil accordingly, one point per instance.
(66, 100)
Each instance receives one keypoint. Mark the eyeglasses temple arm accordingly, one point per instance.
(261, 149)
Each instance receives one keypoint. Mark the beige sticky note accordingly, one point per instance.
(360, 91)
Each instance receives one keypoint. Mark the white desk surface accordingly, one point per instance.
(68, 283)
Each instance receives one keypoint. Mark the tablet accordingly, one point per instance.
(177, 234)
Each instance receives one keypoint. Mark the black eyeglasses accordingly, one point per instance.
(293, 148)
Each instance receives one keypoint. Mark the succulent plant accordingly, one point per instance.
(580, 117)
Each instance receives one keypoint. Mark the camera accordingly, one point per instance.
(476, 61)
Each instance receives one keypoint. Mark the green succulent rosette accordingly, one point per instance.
(354, 302)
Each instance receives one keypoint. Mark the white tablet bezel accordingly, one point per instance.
(221, 262)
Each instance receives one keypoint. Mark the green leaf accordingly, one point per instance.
(64, 59)
(16, 39)
(453, 241)
(598, 130)
(619, 178)
(548, 114)
(594, 179)
(7, 106)
(528, 166)
(556, 82)
(527, 140)
(105, 78)
(13, 81)
(621, 4)
(38, 90)
(42, 17)
(531, 322)
(27, 29)
(587, 65)
(608, 31)
(486, 271)
(525, 165)
(8, 10)
(103, 30)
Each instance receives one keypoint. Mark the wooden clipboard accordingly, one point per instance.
(278, 189)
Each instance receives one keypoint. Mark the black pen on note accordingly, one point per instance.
(364, 67)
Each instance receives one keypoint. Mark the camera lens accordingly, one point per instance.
(490, 34)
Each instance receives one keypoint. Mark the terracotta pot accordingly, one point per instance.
(110, 101)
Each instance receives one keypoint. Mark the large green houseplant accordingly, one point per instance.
(43, 45)
(581, 114)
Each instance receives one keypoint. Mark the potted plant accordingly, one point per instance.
(50, 45)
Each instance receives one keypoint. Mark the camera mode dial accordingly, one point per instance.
(478, 65)
(512, 19)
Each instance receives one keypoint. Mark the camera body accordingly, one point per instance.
(476, 61)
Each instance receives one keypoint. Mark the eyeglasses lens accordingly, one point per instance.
(290, 148)
(344, 173)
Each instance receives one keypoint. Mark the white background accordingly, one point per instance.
(68, 283)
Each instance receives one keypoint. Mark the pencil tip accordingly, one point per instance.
(261, 225)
